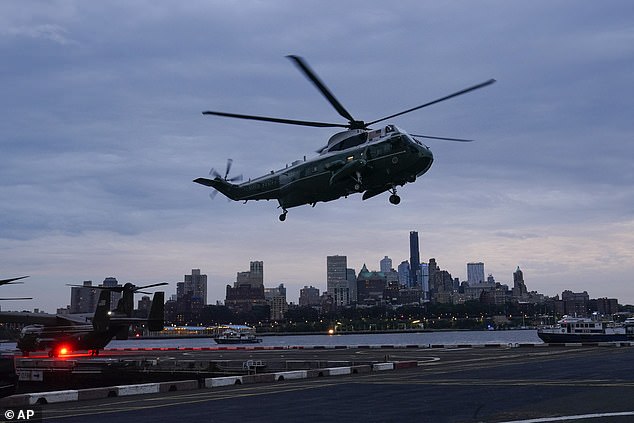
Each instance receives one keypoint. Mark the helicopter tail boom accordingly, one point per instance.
(228, 189)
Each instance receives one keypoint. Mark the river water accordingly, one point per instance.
(416, 338)
(375, 339)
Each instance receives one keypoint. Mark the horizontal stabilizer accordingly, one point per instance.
(205, 181)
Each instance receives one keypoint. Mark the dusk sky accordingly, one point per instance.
(102, 135)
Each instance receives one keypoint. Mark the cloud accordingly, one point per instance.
(103, 133)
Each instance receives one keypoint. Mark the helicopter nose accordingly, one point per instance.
(426, 158)
(425, 152)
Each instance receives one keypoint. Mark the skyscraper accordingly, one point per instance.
(414, 259)
(386, 264)
(309, 296)
(196, 284)
(83, 299)
(519, 287)
(336, 270)
(254, 277)
(475, 273)
(403, 273)
(337, 280)
(256, 273)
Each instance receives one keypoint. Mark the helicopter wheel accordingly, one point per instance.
(283, 216)
(395, 199)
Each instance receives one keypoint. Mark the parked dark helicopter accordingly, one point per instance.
(358, 160)
(62, 334)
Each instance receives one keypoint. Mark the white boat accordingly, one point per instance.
(237, 334)
(583, 329)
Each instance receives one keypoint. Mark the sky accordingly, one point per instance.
(102, 134)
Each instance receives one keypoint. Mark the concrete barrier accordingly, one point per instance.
(382, 366)
(338, 371)
(214, 382)
(295, 374)
(54, 396)
(181, 385)
(259, 378)
(142, 388)
(97, 393)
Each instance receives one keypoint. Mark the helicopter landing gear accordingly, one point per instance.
(283, 215)
(394, 199)
(358, 183)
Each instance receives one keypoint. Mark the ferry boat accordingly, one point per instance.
(583, 329)
(237, 334)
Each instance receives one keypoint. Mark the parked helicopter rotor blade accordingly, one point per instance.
(11, 280)
(456, 94)
(278, 120)
(130, 286)
(136, 288)
(440, 138)
(310, 74)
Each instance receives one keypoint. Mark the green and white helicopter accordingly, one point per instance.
(358, 160)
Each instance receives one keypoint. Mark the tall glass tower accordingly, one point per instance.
(414, 259)
(475, 273)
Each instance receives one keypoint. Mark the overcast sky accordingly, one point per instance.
(101, 135)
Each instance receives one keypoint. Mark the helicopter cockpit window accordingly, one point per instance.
(350, 142)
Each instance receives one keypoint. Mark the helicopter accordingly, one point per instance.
(359, 159)
(62, 334)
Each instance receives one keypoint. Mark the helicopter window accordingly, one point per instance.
(350, 142)
(379, 150)
(396, 141)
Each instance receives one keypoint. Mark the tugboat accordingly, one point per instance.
(583, 329)
(237, 334)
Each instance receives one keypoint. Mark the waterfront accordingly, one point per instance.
(405, 338)
(528, 336)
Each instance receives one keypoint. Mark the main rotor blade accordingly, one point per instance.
(440, 138)
(310, 74)
(466, 90)
(277, 120)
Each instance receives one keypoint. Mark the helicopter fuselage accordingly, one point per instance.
(354, 161)
(357, 160)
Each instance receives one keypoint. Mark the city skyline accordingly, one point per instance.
(103, 135)
(339, 261)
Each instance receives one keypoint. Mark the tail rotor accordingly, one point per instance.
(216, 175)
